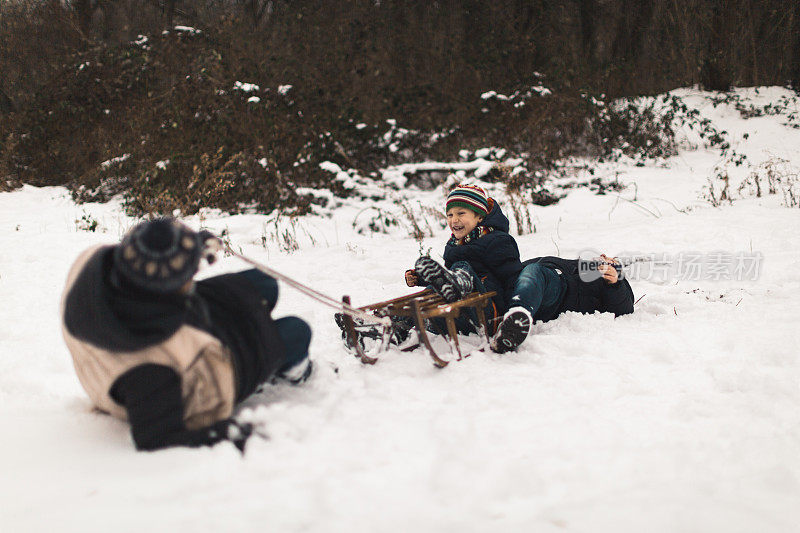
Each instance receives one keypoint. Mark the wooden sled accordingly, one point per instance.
(421, 306)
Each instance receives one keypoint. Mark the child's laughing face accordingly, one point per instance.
(462, 220)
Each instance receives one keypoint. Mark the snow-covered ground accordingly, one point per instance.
(684, 416)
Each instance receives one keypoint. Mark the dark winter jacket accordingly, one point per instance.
(102, 310)
(583, 297)
(494, 257)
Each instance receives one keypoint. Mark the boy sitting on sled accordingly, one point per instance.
(481, 256)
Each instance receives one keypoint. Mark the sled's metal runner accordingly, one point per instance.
(421, 306)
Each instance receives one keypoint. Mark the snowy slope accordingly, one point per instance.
(684, 416)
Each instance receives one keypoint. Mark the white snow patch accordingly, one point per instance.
(188, 29)
(114, 161)
(246, 87)
(396, 175)
(494, 94)
(347, 181)
(541, 90)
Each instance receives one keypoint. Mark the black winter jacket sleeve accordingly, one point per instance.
(151, 395)
(588, 297)
(617, 298)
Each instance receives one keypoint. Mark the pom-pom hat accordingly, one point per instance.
(469, 196)
(159, 255)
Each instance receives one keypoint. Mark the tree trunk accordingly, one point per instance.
(589, 13)
(6, 105)
(795, 69)
(83, 10)
(170, 14)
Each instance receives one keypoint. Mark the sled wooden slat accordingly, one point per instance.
(424, 305)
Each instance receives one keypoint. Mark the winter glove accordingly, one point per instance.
(211, 245)
(236, 432)
(412, 280)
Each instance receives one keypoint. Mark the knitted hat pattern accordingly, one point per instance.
(470, 197)
(158, 255)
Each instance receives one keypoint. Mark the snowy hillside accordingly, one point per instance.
(683, 417)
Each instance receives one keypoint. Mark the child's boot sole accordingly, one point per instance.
(512, 332)
(435, 275)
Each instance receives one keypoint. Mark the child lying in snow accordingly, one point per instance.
(481, 256)
(170, 355)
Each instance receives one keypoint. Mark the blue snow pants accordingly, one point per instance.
(540, 290)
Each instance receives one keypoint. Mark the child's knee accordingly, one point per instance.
(463, 265)
(295, 333)
(534, 272)
(266, 286)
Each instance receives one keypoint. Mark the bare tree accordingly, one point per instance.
(84, 11)
(257, 9)
(6, 105)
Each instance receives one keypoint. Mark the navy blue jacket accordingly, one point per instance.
(494, 257)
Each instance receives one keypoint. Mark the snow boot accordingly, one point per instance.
(299, 372)
(400, 329)
(451, 285)
(513, 330)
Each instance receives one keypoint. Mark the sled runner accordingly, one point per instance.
(419, 307)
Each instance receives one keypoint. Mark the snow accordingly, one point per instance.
(397, 174)
(681, 417)
(114, 161)
(246, 87)
(541, 90)
(347, 181)
(188, 29)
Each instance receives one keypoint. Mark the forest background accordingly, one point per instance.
(180, 105)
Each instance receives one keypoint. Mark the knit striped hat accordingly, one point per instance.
(469, 196)
(159, 255)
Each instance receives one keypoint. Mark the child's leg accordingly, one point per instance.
(296, 336)
(539, 290)
(467, 322)
(294, 332)
(266, 285)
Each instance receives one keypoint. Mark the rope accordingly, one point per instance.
(216, 244)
